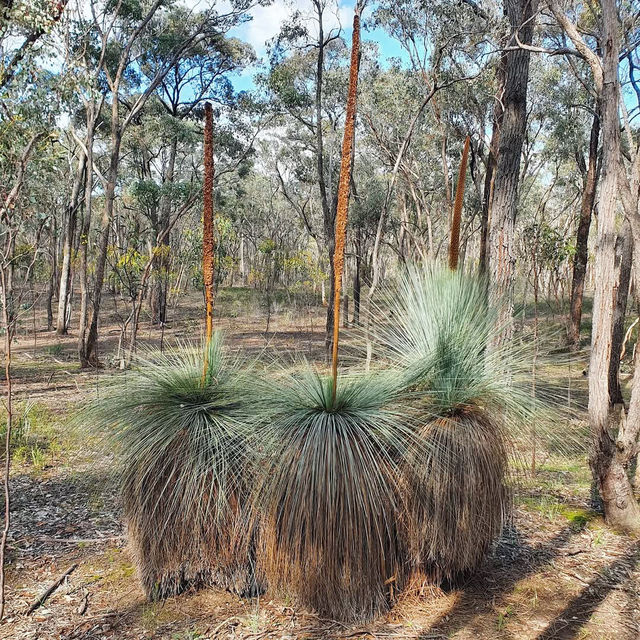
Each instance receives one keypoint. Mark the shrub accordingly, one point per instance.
(466, 386)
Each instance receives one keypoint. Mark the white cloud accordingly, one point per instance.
(265, 24)
(267, 21)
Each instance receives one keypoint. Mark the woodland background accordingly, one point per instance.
(101, 123)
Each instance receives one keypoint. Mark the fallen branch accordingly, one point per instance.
(80, 540)
(42, 598)
(224, 623)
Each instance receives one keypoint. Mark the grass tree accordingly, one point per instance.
(180, 423)
(181, 440)
(458, 495)
(329, 493)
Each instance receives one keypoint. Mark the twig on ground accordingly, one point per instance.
(80, 540)
(82, 609)
(224, 623)
(42, 598)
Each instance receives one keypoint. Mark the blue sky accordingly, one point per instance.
(266, 23)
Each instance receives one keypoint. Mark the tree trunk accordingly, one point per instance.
(607, 462)
(53, 276)
(84, 242)
(69, 236)
(502, 254)
(582, 238)
(626, 258)
(6, 296)
(90, 348)
(357, 288)
(159, 291)
(328, 208)
(489, 178)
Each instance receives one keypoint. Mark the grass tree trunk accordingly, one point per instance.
(622, 295)
(502, 255)
(344, 188)
(582, 238)
(608, 457)
(64, 297)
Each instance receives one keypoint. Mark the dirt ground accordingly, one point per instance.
(557, 573)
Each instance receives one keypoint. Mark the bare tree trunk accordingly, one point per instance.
(357, 288)
(8, 337)
(328, 210)
(90, 354)
(607, 462)
(489, 178)
(582, 238)
(84, 242)
(53, 277)
(502, 255)
(142, 287)
(159, 292)
(626, 258)
(69, 236)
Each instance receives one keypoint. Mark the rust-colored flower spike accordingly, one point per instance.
(454, 242)
(208, 241)
(344, 185)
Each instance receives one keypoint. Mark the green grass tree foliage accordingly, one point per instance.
(473, 402)
(184, 468)
(329, 493)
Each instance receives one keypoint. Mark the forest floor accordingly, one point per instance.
(557, 573)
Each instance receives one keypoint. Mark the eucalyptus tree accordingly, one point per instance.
(26, 148)
(23, 25)
(610, 456)
(306, 83)
(201, 73)
(512, 117)
(435, 63)
(120, 33)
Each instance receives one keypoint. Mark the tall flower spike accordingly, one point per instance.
(344, 186)
(454, 244)
(208, 241)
